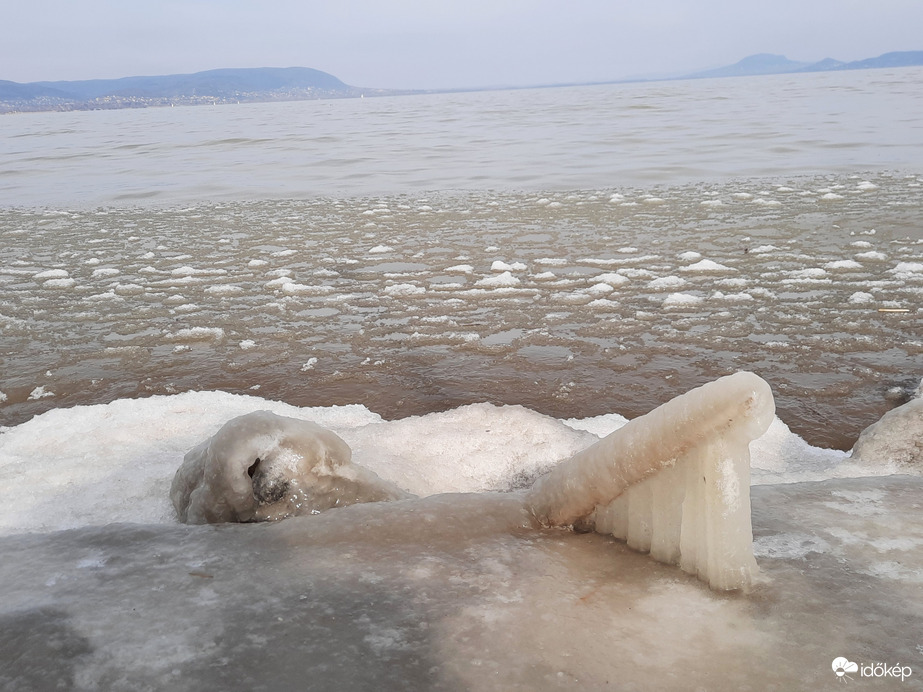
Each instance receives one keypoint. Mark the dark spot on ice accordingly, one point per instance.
(584, 525)
(266, 487)
(252, 469)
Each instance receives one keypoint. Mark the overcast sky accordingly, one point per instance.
(440, 43)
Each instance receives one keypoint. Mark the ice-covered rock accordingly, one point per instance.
(674, 482)
(262, 466)
(897, 438)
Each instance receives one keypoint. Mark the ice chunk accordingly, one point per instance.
(707, 265)
(39, 393)
(51, 274)
(504, 279)
(842, 264)
(861, 297)
(674, 482)
(404, 290)
(680, 300)
(666, 282)
(897, 438)
(501, 266)
(262, 466)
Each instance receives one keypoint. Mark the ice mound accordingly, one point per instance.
(674, 482)
(470, 449)
(262, 466)
(896, 438)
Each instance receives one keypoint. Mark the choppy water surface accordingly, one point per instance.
(572, 303)
(662, 133)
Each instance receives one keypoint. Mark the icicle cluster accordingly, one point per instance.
(675, 482)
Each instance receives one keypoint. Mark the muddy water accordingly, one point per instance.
(573, 303)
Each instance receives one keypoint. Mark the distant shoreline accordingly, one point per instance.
(264, 85)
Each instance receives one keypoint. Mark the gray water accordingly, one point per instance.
(642, 134)
(578, 250)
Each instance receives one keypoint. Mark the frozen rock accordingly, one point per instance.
(674, 482)
(262, 466)
(897, 438)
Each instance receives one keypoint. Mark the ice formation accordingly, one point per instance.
(674, 482)
(896, 438)
(262, 466)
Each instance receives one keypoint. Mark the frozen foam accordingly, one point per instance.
(706, 265)
(681, 300)
(505, 279)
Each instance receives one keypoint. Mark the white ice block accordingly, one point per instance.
(674, 482)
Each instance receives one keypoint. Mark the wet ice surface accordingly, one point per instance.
(571, 303)
(455, 592)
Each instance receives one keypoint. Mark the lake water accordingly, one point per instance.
(577, 250)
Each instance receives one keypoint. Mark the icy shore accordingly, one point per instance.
(104, 589)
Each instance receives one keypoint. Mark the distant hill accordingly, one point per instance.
(302, 83)
(210, 87)
(762, 63)
(766, 63)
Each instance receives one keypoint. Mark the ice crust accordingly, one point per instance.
(674, 483)
(262, 466)
(458, 592)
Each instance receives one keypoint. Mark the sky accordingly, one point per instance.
(440, 44)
